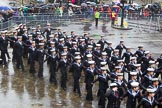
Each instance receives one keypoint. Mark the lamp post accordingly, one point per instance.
(122, 16)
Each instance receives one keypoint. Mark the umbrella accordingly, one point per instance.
(105, 5)
(84, 4)
(147, 6)
(5, 8)
(93, 3)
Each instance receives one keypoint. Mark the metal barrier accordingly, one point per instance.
(6, 25)
(35, 19)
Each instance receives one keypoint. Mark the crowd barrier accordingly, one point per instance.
(45, 18)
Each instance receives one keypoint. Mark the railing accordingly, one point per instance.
(6, 25)
(38, 18)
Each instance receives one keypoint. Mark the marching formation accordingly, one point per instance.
(119, 72)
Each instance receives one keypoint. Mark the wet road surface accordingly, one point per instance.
(20, 89)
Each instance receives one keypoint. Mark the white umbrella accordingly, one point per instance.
(84, 4)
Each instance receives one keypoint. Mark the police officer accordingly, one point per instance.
(97, 16)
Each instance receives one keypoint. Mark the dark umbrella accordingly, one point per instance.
(5, 8)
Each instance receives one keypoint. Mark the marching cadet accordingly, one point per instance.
(89, 50)
(132, 78)
(147, 80)
(114, 74)
(38, 38)
(155, 84)
(38, 29)
(60, 34)
(113, 96)
(74, 48)
(109, 49)
(69, 42)
(148, 101)
(61, 44)
(145, 60)
(91, 42)
(53, 58)
(47, 31)
(103, 85)
(32, 57)
(159, 60)
(139, 71)
(82, 46)
(97, 54)
(115, 57)
(139, 53)
(19, 48)
(122, 84)
(131, 66)
(24, 40)
(51, 47)
(4, 47)
(120, 47)
(13, 39)
(133, 94)
(104, 58)
(33, 33)
(159, 96)
(89, 79)
(122, 65)
(102, 42)
(51, 39)
(12, 43)
(77, 69)
(127, 55)
(85, 63)
(40, 55)
(63, 64)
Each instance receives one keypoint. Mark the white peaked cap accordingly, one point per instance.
(113, 85)
(150, 69)
(89, 55)
(133, 73)
(103, 63)
(134, 84)
(91, 62)
(150, 90)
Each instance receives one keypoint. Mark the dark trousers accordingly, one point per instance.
(102, 99)
(53, 76)
(89, 95)
(40, 72)
(4, 62)
(19, 62)
(96, 20)
(112, 22)
(76, 85)
(63, 79)
(32, 66)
